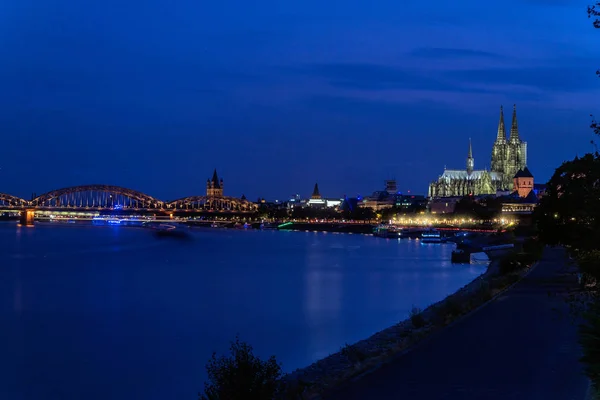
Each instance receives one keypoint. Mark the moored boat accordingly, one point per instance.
(432, 236)
(386, 231)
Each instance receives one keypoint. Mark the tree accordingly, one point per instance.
(594, 12)
(569, 213)
(241, 376)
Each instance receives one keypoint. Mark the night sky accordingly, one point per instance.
(153, 95)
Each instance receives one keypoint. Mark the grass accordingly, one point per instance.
(416, 318)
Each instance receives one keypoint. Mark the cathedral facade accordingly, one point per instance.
(509, 155)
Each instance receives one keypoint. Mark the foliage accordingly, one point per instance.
(353, 353)
(395, 211)
(328, 213)
(416, 318)
(450, 308)
(522, 230)
(241, 376)
(485, 209)
(514, 262)
(483, 293)
(569, 213)
(589, 338)
(594, 12)
(589, 265)
(359, 213)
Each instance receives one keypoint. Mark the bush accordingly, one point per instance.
(483, 294)
(589, 263)
(515, 262)
(451, 307)
(416, 318)
(589, 338)
(353, 354)
(241, 376)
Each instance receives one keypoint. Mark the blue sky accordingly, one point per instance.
(277, 95)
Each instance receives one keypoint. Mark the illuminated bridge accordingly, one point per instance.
(98, 198)
(106, 197)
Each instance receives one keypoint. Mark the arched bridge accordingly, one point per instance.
(96, 196)
(104, 197)
(7, 200)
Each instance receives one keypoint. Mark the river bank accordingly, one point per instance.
(351, 361)
(495, 352)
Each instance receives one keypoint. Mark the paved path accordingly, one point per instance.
(521, 346)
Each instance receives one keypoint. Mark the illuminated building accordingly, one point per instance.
(523, 182)
(524, 198)
(443, 206)
(508, 157)
(316, 200)
(390, 197)
(214, 186)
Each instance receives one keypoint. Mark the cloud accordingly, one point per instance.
(565, 3)
(374, 77)
(439, 52)
(559, 78)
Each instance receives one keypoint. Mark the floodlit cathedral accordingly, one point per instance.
(509, 155)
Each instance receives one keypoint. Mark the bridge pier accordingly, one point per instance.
(27, 217)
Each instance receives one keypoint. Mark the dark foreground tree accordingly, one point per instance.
(589, 337)
(242, 375)
(569, 213)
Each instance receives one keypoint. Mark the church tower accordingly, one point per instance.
(470, 159)
(214, 186)
(499, 149)
(516, 151)
(316, 195)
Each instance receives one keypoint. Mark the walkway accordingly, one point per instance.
(520, 346)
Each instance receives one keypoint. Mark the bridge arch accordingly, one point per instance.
(8, 200)
(96, 196)
(212, 203)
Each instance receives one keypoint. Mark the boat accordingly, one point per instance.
(386, 231)
(432, 236)
(411, 233)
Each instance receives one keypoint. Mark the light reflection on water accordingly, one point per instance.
(112, 312)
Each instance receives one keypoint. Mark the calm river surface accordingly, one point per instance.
(91, 312)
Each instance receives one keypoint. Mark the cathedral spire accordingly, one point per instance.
(470, 159)
(514, 129)
(470, 149)
(501, 130)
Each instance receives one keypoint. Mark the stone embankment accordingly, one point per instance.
(384, 346)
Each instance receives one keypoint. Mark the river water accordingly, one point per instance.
(90, 312)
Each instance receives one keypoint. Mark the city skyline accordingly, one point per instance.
(154, 97)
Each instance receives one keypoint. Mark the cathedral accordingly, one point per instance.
(509, 155)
